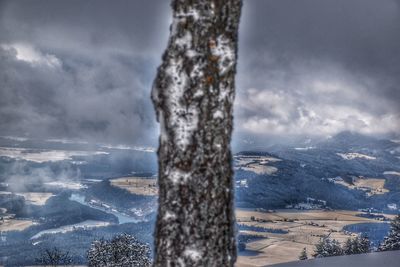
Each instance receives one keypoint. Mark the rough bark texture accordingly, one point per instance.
(193, 95)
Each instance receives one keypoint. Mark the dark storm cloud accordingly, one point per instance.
(80, 70)
(83, 69)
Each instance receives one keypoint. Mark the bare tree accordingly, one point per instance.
(54, 257)
(193, 95)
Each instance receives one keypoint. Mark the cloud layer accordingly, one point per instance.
(79, 70)
(84, 70)
(314, 67)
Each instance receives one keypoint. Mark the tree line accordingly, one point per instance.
(328, 247)
(126, 250)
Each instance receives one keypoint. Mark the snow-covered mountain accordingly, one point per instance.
(348, 170)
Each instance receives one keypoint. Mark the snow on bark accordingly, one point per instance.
(193, 95)
(225, 53)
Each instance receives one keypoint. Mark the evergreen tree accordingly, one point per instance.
(364, 245)
(392, 241)
(327, 247)
(303, 254)
(121, 251)
(98, 254)
(348, 247)
(357, 245)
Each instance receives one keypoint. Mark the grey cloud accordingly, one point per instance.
(104, 102)
(315, 67)
(306, 66)
(99, 85)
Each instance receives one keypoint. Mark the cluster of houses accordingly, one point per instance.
(242, 183)
(310, 204)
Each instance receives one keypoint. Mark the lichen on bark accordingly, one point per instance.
(193, 95)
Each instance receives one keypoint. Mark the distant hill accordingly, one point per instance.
(308, 171)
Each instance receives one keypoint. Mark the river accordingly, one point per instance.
(122, 218)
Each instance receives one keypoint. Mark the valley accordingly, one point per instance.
(286, 198)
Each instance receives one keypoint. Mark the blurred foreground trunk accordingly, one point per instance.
(193, 95)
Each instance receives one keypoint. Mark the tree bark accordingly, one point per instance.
(193, 95)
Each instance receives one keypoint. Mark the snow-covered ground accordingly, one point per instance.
(35, 197)
(304, 148)
(89, 224)
(65, 185)
(135, 148)
(392, 173)
(122, 218)
(350, 156)
(256, 164)
(377, 259)
(40, 156)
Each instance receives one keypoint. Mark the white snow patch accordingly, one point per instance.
(199, 93)
(184, 41)
(178, 176)
(163, 130)
(218, 114)
(184, 119)
(88, 224)
(191, 53)
(197, 72)
(125, 147)
(41, 155)
(392, 173)
(169, 215)
(350, 156)
(226, 53)
(225, 94)
(190, 13)
(193, 254)
(304, 148)
(66, 185)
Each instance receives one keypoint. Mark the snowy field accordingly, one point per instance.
(89, 224)
(350, 156)
(15, 225)
(36, 198)
(304, 229)
(40, 156)
(378, 259)
(137, 186)
(256, 164)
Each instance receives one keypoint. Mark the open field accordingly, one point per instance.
(136, 185)
(14, 225)
(373, 186)
(304, 229)
(256, 164)
(88, 224)
(42, 155)
(36, 198)
(392, 172)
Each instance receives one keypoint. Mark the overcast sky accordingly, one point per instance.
(83, 70)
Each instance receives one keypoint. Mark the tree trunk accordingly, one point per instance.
(193, 95)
